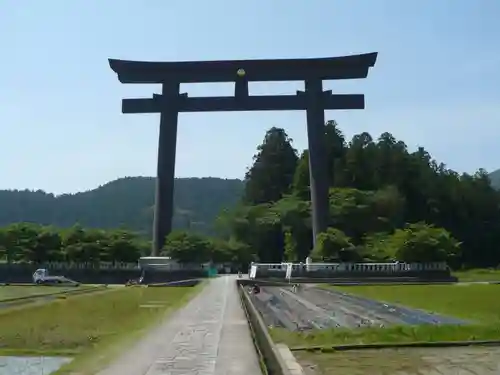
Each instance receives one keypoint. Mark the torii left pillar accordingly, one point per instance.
(165, 174)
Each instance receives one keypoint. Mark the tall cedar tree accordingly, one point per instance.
(271, 174)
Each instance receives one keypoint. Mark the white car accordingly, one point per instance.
(41, 276)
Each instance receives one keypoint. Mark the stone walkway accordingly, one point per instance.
(209, 336)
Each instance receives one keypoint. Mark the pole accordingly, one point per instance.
(317, 156)
(165, 175)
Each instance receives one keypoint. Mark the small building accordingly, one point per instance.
(166, 263)
(169, 264)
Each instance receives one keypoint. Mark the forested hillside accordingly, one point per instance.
(126, 202)
(386, 203)
(495, 179)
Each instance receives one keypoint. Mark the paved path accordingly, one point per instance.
(209, 336)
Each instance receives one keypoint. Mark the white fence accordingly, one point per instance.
(383, 268)
(71, 265)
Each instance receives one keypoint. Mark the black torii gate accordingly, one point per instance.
(170, 102)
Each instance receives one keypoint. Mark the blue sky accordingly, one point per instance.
(436, 82)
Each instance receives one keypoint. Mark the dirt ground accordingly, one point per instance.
(312, 307)
(423, 361)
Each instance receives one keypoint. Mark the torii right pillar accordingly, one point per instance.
(318, 173)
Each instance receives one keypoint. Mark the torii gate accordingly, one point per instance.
(171, 102)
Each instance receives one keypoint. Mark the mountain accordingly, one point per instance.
(495, 179)
(124, 202)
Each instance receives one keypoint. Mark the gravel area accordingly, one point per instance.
(311, 307)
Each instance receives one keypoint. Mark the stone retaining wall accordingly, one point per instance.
(274, 362)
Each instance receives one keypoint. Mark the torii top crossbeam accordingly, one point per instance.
(332, 68)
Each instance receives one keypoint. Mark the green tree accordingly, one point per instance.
(335, 153)
(260, 228)
(47, 246)
(82, 245)
(376, 248)
(123, 246)
(330, 245)
(237, 253)
(301, 185)
(295, 219)
(21, 242)
(360, 161)
(421, 242)
(242, 254)
(271, 174)
(187, 247)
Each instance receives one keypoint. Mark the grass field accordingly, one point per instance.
(478, 275)
(9, 292)
(478, 303)
(89, 326)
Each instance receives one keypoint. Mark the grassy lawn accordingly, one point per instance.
(9, 292)
(478, 275)
(92, 327)
(478, 303)
(475, 302)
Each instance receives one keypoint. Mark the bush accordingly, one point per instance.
(421, 242)
(331, 245)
